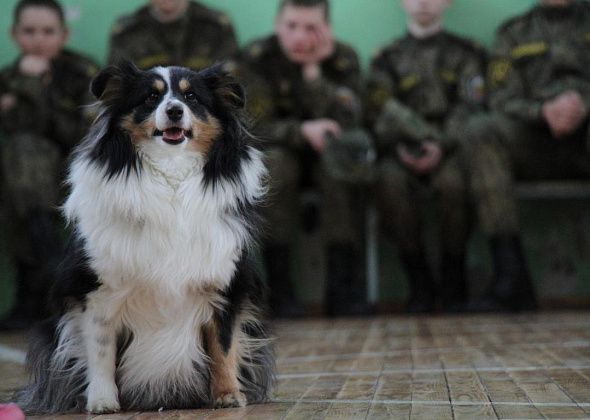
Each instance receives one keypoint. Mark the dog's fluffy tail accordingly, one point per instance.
(56, 384)
(257, 365)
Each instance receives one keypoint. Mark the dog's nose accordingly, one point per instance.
(174, 113)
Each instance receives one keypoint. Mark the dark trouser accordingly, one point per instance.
(501, 150)
(36, 246)
(341, 214)
(398, 197)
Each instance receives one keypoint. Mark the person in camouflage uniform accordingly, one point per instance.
(539, 80)
(41, 119)
(420, 90)
(173, 32)
(300, 82)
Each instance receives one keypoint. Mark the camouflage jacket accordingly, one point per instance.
(419, 89)
(539, 55)
(280, 99)
(51, 106)
(200, 38)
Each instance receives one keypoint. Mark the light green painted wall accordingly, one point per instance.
(366, 24)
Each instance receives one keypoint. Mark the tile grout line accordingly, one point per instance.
(345, 356)
(410, 370)
(430, 402)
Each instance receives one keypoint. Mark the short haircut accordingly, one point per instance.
(49, 4)
(307, 3)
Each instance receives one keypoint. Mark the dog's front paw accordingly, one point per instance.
(102, 399)
(231, 399)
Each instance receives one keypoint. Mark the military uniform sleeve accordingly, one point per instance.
(117, 49)
(227, 46)
(506, 83)
(70, 114)
(470, 98)
(344, 72)
(388, 118)
(31, 109)
(261, 107)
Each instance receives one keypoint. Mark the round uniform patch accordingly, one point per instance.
(476, 90)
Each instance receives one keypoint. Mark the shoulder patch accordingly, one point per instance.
(255, 50)
(342, 63)
(499, 70)
(224, 20)
(531, 48)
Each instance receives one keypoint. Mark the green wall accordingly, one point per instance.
(366, 24)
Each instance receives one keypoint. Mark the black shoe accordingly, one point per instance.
(512, 289)
(421, 284)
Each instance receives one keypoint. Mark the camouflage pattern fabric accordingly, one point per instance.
(37, 134)
(536, 56)
(422, 90)
(199, 39)
(280, 100)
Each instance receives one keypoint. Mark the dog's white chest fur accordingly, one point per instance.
(161, 227)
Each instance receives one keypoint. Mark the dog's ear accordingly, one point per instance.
(99, 84)
(109, 78)
(224, 86)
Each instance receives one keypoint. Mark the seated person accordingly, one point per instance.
(41, 119)
(173, 32)
(539, 81)
(297, 76)
(421, 89)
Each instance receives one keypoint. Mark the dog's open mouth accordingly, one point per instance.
(174, 135)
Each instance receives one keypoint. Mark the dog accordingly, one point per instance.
(157, 303)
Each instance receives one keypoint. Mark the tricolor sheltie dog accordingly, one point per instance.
(157, 302)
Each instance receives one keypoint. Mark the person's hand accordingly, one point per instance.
(429, 159)
(7, 102)
(34, 65)
(314, 132)
(565, 113)
(323, 45)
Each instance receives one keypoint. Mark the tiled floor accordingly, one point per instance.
(466, 367)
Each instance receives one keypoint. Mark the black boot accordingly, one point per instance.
(282, 301)
(345, 296)
(35, 273)
(421, 284)
(30, 305)
(453, 286)
(512, 289)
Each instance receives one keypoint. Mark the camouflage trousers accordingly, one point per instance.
(501, 150)
(399, 196)
(340, 207)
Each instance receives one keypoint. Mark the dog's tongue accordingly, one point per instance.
(173, 134)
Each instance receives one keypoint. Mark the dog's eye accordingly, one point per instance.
(190, 96)
(152, 98)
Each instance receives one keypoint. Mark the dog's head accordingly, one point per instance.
(174, 109)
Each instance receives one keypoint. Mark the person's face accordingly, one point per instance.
(40, 32)
(556, 3)
(169, 7)
(297, 28)
(425, 12)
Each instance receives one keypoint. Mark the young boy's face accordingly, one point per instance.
(425, 12)
(40, 32)
(169, 7)
(297, 29)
